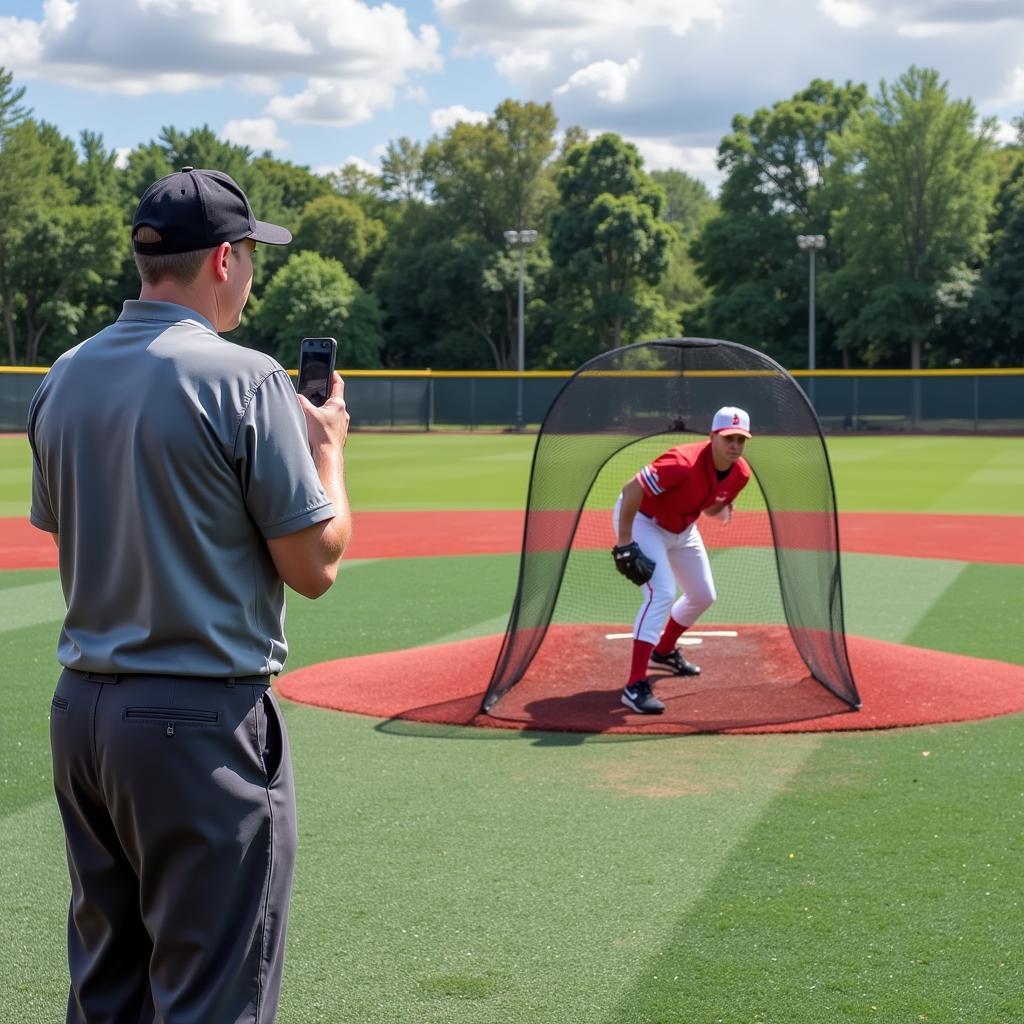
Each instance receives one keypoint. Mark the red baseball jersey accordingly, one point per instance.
(680, 483)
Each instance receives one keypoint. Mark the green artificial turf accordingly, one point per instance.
(15, 475)
(952, 475)
(475, 876)
(880, 886)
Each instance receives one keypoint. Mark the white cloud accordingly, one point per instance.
(847, 13)
(351, 56)
(662, 155)
(363, 165)
(20, 42)
(1011, 89)
(930, 29)
(497, 26)
(58, 14)
(1005, 134)
(257, 133)
(325, 170)
(340, 103)
(606, 79)
(518, 62)
(261, 85)
(441, 120)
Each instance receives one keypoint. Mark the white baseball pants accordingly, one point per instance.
(680, 558)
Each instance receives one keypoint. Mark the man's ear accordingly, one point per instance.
(221, 256)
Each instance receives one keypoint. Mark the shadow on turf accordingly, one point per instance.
(570, 719)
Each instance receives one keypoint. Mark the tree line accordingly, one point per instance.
(922, 212)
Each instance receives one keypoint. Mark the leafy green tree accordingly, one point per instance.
(312, 296)
(56, 253)
(11, 111)
(67, 254)
(444, 302)
(916, 191)
(401, 171)
(490, 177)
(688, 206)
(144, 165)
(22, 166)
(448, 282)
(688, 203)
(96, 176)
(779, 166)
(609, 245)
(202, 147)
(338, 228)
(366, 190)
(296, 185)
(991, 328)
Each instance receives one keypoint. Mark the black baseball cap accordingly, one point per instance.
(197, 209)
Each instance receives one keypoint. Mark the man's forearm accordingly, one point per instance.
(632, 496)
(330, 467)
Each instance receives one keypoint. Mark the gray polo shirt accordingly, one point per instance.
(165, 457)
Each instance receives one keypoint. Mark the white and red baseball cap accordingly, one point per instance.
(730, 420)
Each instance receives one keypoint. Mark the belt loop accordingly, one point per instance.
(102, 677)
(230, 682)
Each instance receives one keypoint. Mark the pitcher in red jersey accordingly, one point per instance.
(656, 516)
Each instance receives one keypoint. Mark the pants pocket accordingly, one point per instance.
(273, 737)
(170, 718)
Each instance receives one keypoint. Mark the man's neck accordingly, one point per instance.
(190, 298)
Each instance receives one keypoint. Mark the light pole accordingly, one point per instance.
(520, 238)
(811, 244)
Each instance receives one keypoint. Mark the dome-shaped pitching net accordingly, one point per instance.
(776, 562)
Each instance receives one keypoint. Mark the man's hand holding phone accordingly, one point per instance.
(327, 425)
(321, 394)
(312, 555)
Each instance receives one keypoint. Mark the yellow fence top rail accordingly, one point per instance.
(563, 374)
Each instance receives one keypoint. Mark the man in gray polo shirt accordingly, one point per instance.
(184, 483)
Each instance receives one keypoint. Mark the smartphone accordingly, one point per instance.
(316, 368)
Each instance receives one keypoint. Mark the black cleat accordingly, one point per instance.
(675, 661)
(639, 698)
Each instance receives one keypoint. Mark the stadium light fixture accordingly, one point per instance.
(810, 244)
(520, 238)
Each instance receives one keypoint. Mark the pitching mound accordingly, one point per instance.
(752, 681)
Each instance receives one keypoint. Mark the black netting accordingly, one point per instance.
(778, 561)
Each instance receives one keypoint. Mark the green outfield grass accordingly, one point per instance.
(958, 475)
(476, 876)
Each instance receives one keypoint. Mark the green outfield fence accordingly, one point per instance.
(931, 401)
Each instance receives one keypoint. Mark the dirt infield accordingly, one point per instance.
(752, 683)
(422, 534)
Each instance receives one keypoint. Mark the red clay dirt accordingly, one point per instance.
(422, 534)
(754, 682)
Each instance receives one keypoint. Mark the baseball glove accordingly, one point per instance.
(633, 563)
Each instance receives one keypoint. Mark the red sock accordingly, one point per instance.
(671, 633)
(641, 656)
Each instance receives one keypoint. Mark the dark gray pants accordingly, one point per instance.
(179, 815)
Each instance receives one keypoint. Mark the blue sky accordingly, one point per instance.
(323, 82)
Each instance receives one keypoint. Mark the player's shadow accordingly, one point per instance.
(689, 707)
